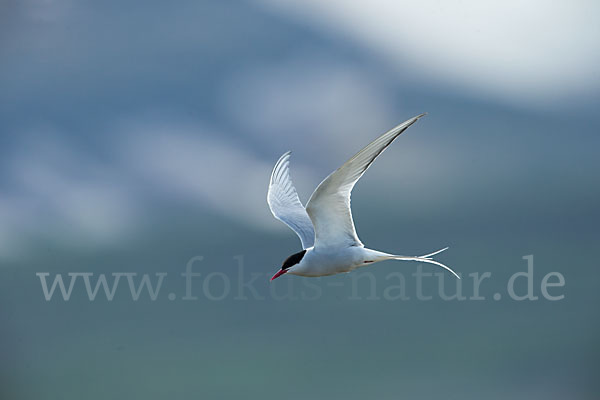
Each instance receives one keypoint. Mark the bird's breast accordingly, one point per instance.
(329, 261)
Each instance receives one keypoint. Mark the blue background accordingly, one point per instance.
(136, 135)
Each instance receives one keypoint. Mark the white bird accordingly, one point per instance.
(325, 226)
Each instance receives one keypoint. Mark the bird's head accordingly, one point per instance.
(290, 263)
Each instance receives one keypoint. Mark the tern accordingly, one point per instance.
(325, 226)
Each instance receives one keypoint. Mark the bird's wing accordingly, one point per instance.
(285, 204)
(329, 205)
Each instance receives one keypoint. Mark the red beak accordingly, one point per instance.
(279, 273)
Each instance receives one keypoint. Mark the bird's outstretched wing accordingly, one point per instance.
(285, 204)
(329, 205)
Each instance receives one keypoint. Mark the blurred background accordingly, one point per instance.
(137, 135)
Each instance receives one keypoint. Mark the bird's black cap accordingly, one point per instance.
(293, 260)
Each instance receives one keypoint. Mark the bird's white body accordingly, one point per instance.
(330, 260)
(325, 226)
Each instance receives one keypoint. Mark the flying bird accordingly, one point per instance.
(325, 226)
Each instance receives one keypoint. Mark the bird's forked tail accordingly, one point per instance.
(427, 259)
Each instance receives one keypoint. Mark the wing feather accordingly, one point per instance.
(285, 205)
(329, 205)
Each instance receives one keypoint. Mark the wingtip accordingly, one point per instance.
(284, 156)
(282, 159)
(421, 115)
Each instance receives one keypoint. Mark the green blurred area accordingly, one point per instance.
(334, 346)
